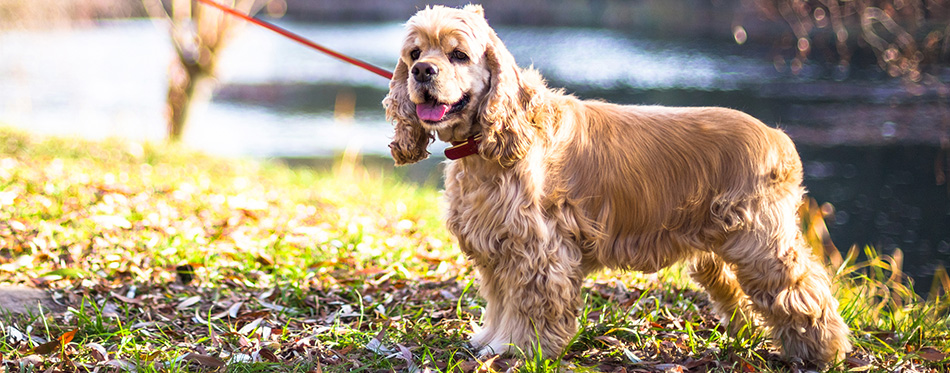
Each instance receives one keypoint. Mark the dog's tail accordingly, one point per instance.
(785, 166)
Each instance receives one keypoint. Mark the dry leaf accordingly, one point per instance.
(269, 294)
(46, 348)
(240, 358)
(268, 355)
(858, 365)
(272, 306)
(931, 354)
(188, 302)
(98, 352)
(121, 364)
(54, 345)
(233, 310)
(67, 337)
(253, 315)
(204, 360)
(486, 365)
(250, 327)
(143, 324)
(406, 355)
(673, 368)
(378, 347)
(219, 315)
(468, 366)
(110, 310)
(125, 299)
(609, 341)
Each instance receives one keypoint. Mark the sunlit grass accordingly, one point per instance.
(170, 260)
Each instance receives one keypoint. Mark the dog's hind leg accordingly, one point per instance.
(787, 286)
(729, 301)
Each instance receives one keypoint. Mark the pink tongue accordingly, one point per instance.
(431, 112)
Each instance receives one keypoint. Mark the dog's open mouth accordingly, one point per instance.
(433, 111)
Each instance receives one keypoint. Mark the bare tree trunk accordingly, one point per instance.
(184, 81)
(199, 34)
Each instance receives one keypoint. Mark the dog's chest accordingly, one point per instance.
(490, 212)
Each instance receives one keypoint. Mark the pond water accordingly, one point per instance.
(870, 146)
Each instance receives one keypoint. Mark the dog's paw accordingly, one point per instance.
(485, 341)
(481, 338)
(495, 348)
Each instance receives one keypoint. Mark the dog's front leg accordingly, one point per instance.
(533, 295)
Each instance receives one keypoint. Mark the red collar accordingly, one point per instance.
(462, 149)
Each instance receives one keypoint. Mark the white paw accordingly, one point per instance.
(481, 338)
(496, 347)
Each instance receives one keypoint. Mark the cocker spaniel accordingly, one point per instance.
(545, 188)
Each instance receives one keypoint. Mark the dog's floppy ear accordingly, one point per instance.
(410, 139)
(506, 129)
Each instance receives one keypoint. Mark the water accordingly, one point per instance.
(869, 145)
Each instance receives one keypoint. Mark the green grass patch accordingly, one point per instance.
(170, 260)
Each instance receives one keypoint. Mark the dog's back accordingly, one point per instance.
(661, 182)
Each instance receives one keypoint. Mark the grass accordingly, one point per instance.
(169, 260)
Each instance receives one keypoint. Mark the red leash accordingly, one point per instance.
(300, 39)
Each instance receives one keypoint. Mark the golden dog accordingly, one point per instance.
(557, 187)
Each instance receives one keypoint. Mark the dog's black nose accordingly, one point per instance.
(424, 71)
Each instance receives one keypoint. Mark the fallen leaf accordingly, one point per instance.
(609, 341)
(240, 358)
(746, 367)
(54, 345)
(856, 363)
(121, 364)
(485, 366)
(931, 354)
(691, 364)
(46, 348)
(125, 299)
(188, 302)
(673, 368)
(265, 259)
(631, 356)
(233, 310)
(204, 360)
(98, 352)
(378, 347)
(67, 337)
(110, 310)
(468, 366)
(269, 355)
(143, 324)
(269, 294)
(198, 318)
(272, 306)
(406, 355)
(15, 334)
(250, 327)
(253, 315)
(243, 341)
(219, 315)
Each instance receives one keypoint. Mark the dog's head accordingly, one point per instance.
(455, 79)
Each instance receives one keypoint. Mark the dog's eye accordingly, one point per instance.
(415, 54)
(459, 56)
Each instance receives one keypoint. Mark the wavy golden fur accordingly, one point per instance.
(562, 187)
